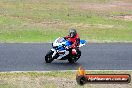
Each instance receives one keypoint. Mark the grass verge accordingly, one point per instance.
(43, 21)
(53, 79)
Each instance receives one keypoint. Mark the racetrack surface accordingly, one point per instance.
(30, 57)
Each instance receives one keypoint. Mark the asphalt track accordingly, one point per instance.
(30, 57)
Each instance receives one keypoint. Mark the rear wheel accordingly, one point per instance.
(71, 59)
(78, 54)
(48, 57)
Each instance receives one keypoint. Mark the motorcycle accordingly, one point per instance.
(59, 47)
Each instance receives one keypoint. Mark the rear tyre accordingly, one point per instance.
(71, 59)
(78, 54)
(48, 57)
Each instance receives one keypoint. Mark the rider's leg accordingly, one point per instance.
(66, 53)
(74, 52)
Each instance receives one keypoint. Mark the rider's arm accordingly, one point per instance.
(67, 37)
(77, 42)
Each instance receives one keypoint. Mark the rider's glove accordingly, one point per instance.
(64, 38)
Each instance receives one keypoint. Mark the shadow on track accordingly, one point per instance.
(62, 65)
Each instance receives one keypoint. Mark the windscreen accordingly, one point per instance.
(60, 40)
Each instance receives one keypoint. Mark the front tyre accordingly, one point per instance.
(48, 57)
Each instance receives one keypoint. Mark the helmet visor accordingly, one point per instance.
(71, 34)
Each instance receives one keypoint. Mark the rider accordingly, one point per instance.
(73, 37)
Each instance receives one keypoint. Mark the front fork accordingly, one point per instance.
(54, 52)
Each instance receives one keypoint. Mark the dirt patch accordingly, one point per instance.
(110, 6)
(64, 82)
(123, 17)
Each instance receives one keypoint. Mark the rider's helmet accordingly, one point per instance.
(72, 33)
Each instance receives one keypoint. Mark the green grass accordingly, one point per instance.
(45, 20)
(8, 85)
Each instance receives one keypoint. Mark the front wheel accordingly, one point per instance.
(48, 57)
